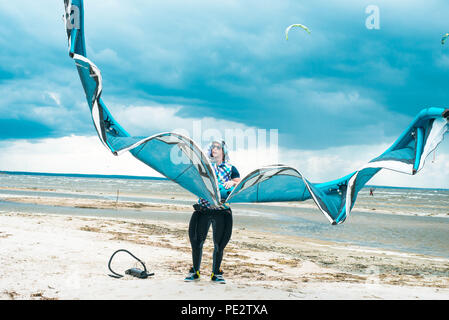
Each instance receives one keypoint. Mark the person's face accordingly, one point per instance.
(217, 151)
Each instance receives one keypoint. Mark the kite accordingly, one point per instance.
(295, 25)
(178, 158)
(443, 40)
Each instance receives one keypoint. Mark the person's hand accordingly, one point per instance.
(229, 184)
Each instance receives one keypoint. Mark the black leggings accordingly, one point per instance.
(200, 222)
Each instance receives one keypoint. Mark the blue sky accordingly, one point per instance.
(338, 96)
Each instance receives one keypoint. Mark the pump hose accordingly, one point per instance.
(117, 275)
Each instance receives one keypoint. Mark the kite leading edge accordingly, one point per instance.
(194, 172)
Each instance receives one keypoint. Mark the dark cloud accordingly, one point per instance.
(23, 129)
(341, 85)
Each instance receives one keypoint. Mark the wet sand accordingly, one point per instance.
(97, 204)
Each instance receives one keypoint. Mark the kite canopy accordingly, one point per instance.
(295, 25)
(336, 198)
(179, 159)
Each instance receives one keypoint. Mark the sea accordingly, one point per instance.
(409, 220)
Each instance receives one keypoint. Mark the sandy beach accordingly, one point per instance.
(51, 256)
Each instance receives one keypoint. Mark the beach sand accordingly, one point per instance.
(49, 256)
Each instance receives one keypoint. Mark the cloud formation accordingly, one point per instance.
(166, 64)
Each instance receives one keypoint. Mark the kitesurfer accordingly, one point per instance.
(220, 217)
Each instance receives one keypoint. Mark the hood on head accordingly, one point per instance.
(223, 147)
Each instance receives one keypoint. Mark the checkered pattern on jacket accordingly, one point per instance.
(223, 174)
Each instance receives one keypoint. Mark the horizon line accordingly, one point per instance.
(115, 176)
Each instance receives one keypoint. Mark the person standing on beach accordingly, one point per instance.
(220, 218)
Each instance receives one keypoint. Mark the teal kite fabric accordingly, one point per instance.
(173, 155)
(337, 198)
(179, 158)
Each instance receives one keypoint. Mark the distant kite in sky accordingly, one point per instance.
(193, 169)
(295, 25)
(443, 40)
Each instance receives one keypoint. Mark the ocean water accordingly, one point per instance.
(408, 220)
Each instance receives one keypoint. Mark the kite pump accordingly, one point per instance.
(135, 272)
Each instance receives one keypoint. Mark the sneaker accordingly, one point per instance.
(192, 275)
(218, 277)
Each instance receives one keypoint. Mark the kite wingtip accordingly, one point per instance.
(446, 114)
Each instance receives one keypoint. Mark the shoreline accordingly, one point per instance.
(50, 256)
(135, 204)
(423, 234)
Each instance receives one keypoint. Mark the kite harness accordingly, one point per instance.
(135, 272)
